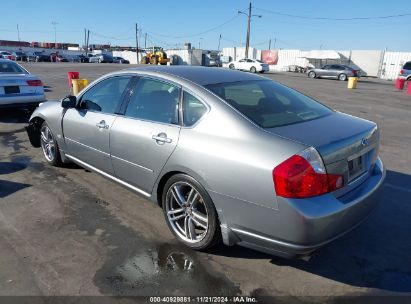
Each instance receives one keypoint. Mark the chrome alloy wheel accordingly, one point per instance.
(186, 212)
(47, 143)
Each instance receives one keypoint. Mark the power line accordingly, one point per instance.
(333, 19)
(200, 33)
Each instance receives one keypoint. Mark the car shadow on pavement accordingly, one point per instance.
(7, 187)
(15, 115)
(374, 255)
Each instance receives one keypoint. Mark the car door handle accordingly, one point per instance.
(102, 125)
(162, 137)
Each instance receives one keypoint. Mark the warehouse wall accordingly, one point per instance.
(392, 64)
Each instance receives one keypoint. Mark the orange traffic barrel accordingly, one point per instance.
(399, 83)
(71, 76)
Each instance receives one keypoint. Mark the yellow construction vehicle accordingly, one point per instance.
(155, 55)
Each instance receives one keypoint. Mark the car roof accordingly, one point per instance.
(7, 60)
(201, 75)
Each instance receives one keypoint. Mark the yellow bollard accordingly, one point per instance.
(78, 85)
(352, 82)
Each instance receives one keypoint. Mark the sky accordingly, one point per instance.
(173, 23)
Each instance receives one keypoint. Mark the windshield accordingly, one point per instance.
(11, 68)
(269, 104)
(259, 61)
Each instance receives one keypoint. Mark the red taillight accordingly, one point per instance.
(355, 73)
(402, 72)
(303, 176)
(34, 83)
(10, 57)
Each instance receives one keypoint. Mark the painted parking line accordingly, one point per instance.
(398, 187)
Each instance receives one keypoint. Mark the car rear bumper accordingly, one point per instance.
(298, 227)
(20, 100)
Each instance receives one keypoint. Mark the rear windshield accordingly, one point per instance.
(407, 65)
(11, 68)
(269, 104)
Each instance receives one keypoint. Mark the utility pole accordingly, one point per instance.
(247, 44)
(219, 40)
(54, 23)
(137, 42)
(145, 41)
(269, 44)
(18, 32)
(87, 41)
(85, 38)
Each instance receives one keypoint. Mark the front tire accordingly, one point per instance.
(312, 75)
(231, 66)
(190, 213)
(253, 70)
(49, 146)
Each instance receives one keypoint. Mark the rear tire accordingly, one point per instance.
(231, 66)
(49, 146)
(253, 69)
(190, 213)
(342, 77)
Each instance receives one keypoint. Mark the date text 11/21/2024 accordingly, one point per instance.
(203, 299)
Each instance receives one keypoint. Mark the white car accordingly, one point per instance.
(19, 88)
(252, 65)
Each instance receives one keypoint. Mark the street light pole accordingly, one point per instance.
(55, 34)
(247, 44)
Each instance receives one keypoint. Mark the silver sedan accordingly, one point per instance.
(18, 87)
(338, 71)
(228, 156)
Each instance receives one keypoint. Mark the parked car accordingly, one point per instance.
(338, 71)
(101, 58)
(20, 56)
(83, 58)
(38, 57)
(214, 62)
(60, 57)
(405, 72)
(18, 87)
(120, 60)
(252, 65)
(228, 155)
(6, 55)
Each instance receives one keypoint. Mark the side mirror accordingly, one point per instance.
(69, 102)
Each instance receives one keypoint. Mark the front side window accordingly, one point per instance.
(106, 95)
(154, 100)
(193, 109)
(269, 104)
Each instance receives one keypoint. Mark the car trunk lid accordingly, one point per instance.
(17, 84)
(347, 144)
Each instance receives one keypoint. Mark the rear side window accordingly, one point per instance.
(154, 100)
(193, 109)
(11, 68)
(106, 95)
(407, 65)
(269, 104)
